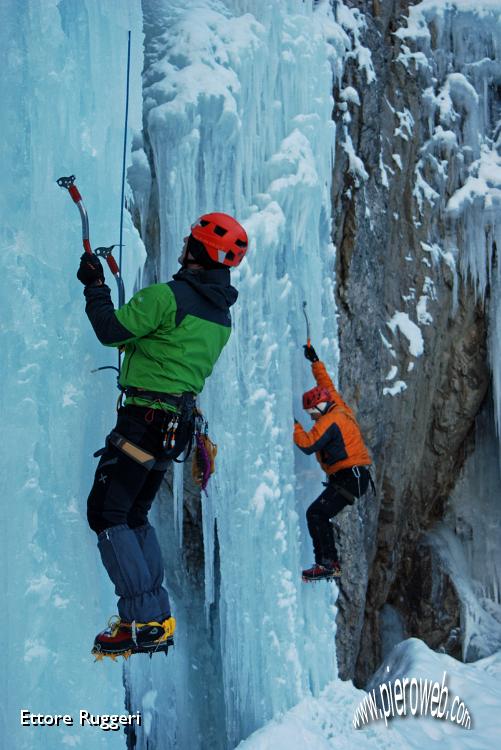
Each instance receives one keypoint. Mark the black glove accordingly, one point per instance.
(91, 270)
(310, 353)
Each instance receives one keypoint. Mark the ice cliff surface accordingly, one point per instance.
(237, 117)
(61, 61)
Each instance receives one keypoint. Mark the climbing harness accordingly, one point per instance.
(184, 411)
(184, 406)
(178, 402)
(349, 496)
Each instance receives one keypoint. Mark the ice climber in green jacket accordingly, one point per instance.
(172, 335)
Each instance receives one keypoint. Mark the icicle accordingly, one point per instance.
(208, 522)
(248, 130)
(178, 497)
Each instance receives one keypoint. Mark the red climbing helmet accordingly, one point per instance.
(224, 239)
(315, 396)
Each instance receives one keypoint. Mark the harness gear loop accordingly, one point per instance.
(149, 416)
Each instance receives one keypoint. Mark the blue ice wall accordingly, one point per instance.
(237, 113)
(237, 105)
(62, 91)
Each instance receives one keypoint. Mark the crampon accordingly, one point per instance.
(125, 639)
(322, 573)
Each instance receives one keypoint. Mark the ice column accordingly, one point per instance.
(237, 118)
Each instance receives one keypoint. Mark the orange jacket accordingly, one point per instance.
(335, 437)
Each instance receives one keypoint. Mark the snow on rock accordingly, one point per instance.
(401, 322)
(356, 165)
(387, 345)
(350, 94)
(392, 373)
(353, 22)
(406, 124)
(398, 160)
(398, 387)
(455, 47)
(423, 315)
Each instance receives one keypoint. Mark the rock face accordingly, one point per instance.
(413, 338)
(412, 117)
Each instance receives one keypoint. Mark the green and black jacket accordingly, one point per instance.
(172, 334)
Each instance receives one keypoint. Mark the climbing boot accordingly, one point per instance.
(318, 572)
(126, 638)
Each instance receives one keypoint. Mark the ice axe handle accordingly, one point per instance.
(68, 183)
(308, 340)
(73, 191)
(112, 264)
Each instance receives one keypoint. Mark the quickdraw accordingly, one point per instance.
(169, 441)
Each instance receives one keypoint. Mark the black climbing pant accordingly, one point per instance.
(117, 509)
(123, 489)
(329, 504)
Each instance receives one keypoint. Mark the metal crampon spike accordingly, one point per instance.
(100, 655)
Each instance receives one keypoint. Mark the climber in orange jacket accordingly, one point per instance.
(336, 440)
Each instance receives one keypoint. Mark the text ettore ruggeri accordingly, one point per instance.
(106, 722)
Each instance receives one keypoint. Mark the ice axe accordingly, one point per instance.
(308, 340)
(69, 184)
